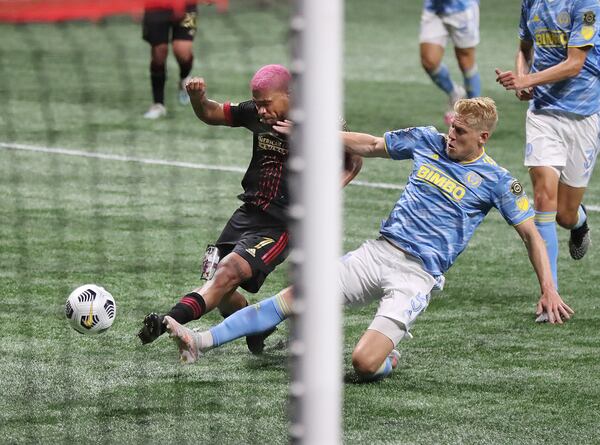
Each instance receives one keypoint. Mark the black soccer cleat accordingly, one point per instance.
(152, 329)
(580, 241)
(256, 343)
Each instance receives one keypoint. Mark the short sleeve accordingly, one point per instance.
(240, 115)
(524, 33)
(584, 31)
(511, 201)
(401, 144)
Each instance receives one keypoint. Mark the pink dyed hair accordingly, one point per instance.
(271, 77)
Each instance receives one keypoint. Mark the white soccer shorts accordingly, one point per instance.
(462, 28)
(567, 142)
(377, 270)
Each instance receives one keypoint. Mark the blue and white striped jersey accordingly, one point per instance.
(444, 200)
(553, 26)
(445, 7)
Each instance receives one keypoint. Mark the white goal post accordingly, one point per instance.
(315, 164)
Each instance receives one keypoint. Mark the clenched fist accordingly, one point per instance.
(196, 88)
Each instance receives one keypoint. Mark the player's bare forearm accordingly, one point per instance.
(364, 145)
(550, 301)
(208, 111)
(568, 68)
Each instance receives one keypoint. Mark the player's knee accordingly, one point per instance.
(429, 64)
(230, 273)
(544, 199)
(157, 66)
(363, 364)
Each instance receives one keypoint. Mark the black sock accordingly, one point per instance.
(185, 68)
(158, 77)
(191, 307)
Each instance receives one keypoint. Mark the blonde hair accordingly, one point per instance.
(479, 113)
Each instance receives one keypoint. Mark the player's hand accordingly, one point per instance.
(284, 127)
(510, 80)
(554, 307)
(526, 94)
(196, 88)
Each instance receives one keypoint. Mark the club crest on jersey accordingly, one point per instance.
(473, 179)
(589, 18)
(449, 187)
(516, 188)
(564, 18)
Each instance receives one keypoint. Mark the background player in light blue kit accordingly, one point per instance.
(459, 20)
(558, 69)
(453, 185)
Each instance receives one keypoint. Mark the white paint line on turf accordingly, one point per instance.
(122, 158)
(223, 168)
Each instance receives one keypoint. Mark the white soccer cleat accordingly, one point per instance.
(155, 111)
(182, 95)
(188, 341)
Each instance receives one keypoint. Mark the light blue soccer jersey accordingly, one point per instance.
(553, 26)
(444, 200)
(445, 7)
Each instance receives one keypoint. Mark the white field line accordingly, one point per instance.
(223, 168)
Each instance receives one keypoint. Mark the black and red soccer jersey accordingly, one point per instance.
(265, 182)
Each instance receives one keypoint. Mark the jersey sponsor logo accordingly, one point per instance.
(550, 38)
(516, 188)
(271, 143)
(449, 187)
(589, 18)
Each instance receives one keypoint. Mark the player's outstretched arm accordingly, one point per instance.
(208, 111)
(550, 301)
(364, 145)
(352, 162)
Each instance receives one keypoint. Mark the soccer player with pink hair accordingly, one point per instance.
(255, 239)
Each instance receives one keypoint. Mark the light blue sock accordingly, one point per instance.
(384, 370)
(546, 225)
(441, 77)
(472, 82)
(581, 218)
(253, 319)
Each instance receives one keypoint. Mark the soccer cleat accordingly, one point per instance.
(394, 357)
(457, 94)
(155, 111)
(152, 328)
(188, 341)
(256, 343)
(182, 95)
(580, 241)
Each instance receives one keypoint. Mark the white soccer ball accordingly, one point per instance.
(90, 309)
